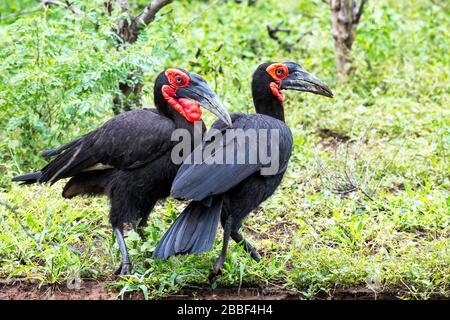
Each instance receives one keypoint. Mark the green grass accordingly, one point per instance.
(388, 127)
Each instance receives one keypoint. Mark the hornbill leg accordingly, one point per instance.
(221, 259)
(237, 236)
(125, 267)
(140, 228)
(143, 222)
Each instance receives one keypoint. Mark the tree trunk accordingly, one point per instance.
(131, 94)
(128, 30)
(345, 16)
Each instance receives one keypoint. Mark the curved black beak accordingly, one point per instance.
(299, 79)
(199, 91)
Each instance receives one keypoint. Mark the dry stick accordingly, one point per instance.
(273, 32)
(273, 35)
(352, 180)
(44, 3)
(321, 169)
(389, 164)
(307, 33)
(14, 15)
(329, 176)
(65, 4)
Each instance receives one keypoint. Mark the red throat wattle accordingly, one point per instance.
(276, 91)
(187, 108)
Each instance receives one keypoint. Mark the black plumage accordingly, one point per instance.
(129, 157)
(239, 187)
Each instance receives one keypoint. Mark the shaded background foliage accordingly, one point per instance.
(388, 127)
(59, 71)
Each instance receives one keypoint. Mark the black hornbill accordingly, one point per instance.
(129, 157)
(232, 190)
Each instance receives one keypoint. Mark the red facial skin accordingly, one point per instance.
(278, 72)
(276, 91)
(187, 108)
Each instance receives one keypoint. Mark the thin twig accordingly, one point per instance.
(65, 4)
(273, 32)
(389, 164)
(22, 12)
(192, 21)
(358, 11)
(42, 4)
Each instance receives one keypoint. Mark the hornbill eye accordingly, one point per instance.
(178, 79)
(280, 72)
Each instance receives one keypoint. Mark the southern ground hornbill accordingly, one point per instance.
(129, 157)
(232, 190)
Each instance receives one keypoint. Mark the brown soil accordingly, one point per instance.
(24, 290)
(94, 290)
(331, 140)
(247, 293)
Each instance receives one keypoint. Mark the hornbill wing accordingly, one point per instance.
(127, 141)
(198, 180)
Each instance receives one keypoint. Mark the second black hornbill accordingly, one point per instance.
(230, 191)
(129, 157)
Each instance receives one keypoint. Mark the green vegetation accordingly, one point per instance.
(365, 201)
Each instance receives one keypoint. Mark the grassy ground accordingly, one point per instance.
(365, 202)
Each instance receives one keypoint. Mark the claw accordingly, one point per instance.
(214, 273)
(124, 269)
(142, 235)
(255, 255)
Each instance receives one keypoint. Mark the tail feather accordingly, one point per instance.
(66, 165)
(193, 231)
(28, 178)
(57, 151)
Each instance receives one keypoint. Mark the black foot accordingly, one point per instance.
(217, 270)
(142, 235)
(255, 255)
(124, 270)
(214, 273)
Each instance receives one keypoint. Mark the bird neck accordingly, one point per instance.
(266, 103)
(168, 111)
(196, 131)
(180, 122)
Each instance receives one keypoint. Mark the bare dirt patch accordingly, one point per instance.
(331, 140)
(95, 290)
(227, 293)
(24, 290)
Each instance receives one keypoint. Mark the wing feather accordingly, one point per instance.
(196, 181)
(127, 141)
